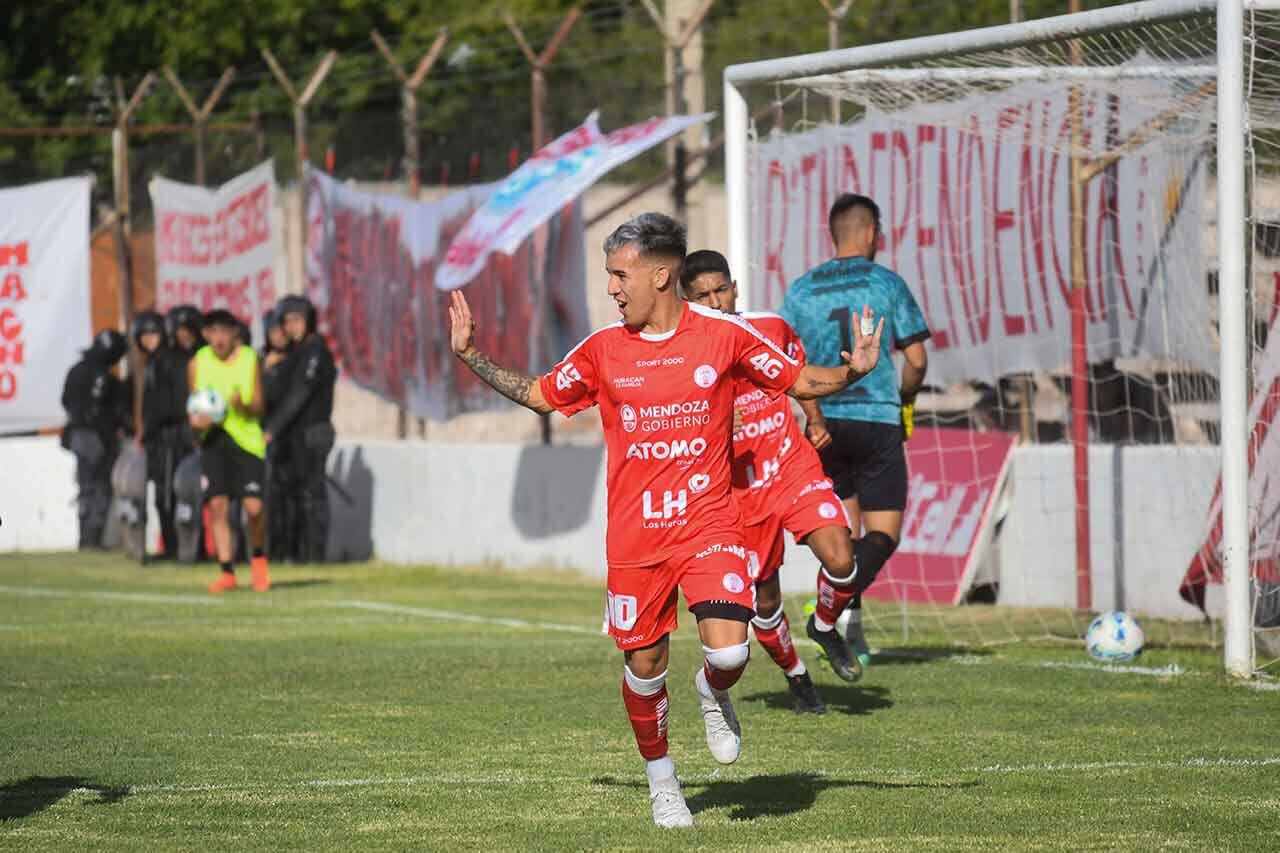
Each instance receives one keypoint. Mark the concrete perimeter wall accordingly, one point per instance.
(528, 506)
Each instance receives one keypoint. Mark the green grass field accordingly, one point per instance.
(357, 707)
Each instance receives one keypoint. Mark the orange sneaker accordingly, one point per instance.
(261, 578)
(225, 583)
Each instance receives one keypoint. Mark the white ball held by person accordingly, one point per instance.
(209, 403)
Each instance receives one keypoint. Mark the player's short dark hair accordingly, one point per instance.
(702, 261)
(653, 235)
(221, 317)
(846, 202)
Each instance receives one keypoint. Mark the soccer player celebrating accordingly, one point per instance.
(663, 378)
(233, 452)
(777, 479)
(866, 425)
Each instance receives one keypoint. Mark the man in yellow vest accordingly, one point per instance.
(232, 452)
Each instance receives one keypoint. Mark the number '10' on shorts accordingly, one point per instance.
(641, 602)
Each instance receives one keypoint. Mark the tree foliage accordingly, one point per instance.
(62, 59)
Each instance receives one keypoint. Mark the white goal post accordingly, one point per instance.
(892, 62)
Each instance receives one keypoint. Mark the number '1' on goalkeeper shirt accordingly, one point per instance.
(822, 306)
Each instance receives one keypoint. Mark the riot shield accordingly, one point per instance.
(129, 483)
(188, 496)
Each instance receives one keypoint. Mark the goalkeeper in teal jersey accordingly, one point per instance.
(861, 430)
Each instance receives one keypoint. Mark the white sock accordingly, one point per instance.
(700, 682)
(660, 770)
(798, 669)
(855, 614)
(822, 624)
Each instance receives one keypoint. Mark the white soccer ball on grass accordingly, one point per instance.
(209, 403)
(1114, 637)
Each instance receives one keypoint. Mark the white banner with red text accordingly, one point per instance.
(955, 478)
(554, 176)
(215, 248)
(371, 264)
(44, 298)
(976, 219)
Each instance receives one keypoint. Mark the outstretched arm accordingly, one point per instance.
(814, 381)
(515, 385)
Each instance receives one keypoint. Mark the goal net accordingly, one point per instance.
(1049, 192)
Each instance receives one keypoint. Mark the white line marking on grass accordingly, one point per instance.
(1186, 763)
(1162, 671)
(1167, 671)
(496, 779)
(453, 616)
(1195, 763)
(103, 595)
(1262, 685)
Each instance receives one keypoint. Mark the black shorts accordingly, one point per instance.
(867, 461)
(229, 469)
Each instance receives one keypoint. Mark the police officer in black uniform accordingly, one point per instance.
(183, 324)
(184, 328)
(97, 405)
(164, 435)
(301, 425)
(281, 539)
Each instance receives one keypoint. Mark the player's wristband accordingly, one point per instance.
(908, 419)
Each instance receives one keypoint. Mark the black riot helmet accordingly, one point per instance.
(270, 322)
(297, 305)
(183, 317)
(108, 347)
(147, 321)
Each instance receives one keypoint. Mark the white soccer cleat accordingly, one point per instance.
(724, 735)
(669, 808)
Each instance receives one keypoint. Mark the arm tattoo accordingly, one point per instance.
(833, 383)
(815, 382)
(511, 384)
(823, 384)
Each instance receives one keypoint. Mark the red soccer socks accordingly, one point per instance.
(834, 594)
(646, 701)
(774, 633)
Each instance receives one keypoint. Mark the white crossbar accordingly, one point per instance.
(1015, 74)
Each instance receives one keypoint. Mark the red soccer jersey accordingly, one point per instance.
(770, 453)
(666, 405)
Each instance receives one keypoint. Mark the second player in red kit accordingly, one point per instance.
(664, 378)
(777, 479)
